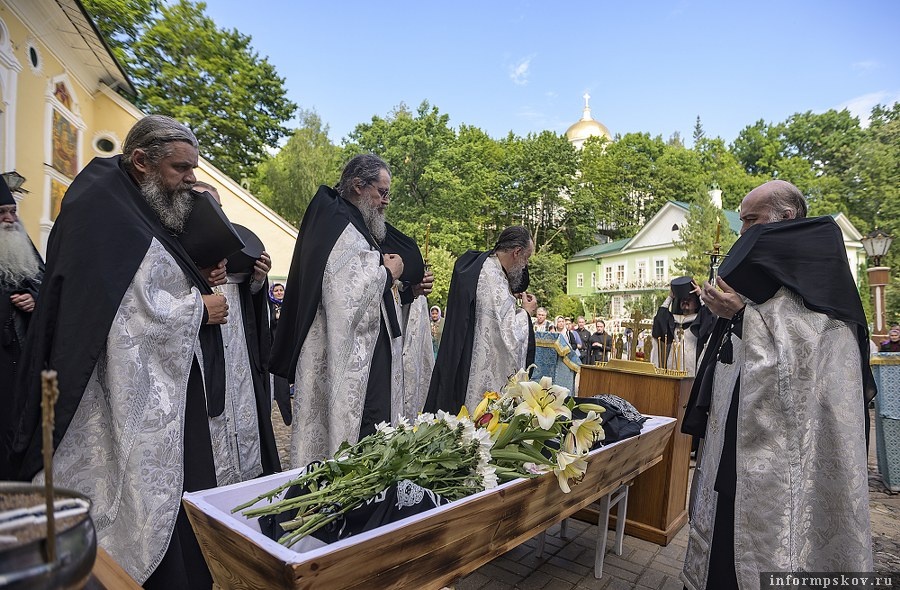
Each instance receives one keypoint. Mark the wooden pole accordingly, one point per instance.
(49, 395)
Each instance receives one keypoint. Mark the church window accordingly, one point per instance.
(34, 56)
(106, 144)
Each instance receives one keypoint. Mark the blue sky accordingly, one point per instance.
(523, 66)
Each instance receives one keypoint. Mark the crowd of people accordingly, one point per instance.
(167, 371)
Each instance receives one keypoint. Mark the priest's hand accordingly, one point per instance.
(23, 301)
(426, 286)
(216, 308)
(724, 301)
(215, 275)
(394, 264)
(529, 303)
(261, 268)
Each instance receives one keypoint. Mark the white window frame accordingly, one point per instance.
(579, 280)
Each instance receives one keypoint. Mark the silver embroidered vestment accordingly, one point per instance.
(335, 359)
(500, 343)
(418, 356)
(235, 433)
(802, 499)
(124, 448)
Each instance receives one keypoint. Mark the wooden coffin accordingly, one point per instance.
(429, 550)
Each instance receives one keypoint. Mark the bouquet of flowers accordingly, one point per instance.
(534, 429)
(526, 430)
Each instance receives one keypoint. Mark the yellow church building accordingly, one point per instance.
(61, 105)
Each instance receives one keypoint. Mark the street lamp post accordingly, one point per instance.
(876, 245)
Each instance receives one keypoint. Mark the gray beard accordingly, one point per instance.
(18, 261)
(374, 221)
(514, 276)
(172, 208)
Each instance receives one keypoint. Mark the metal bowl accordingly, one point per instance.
(25, 566)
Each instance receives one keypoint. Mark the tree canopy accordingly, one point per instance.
(211, 79)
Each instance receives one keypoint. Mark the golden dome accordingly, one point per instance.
(587, 127)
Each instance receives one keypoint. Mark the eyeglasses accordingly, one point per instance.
(383, 192)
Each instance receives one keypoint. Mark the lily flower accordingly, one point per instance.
(481, 408)
(587, 407)
(570, 466)
(541, 403)
(582, 433)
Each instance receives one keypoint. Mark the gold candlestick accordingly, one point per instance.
(427, 238)
(49, 395)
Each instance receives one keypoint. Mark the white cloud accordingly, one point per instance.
(865, 65)
(518, 73)
(861, 106)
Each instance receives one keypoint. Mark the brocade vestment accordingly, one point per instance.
(501, 334)
(336, 357)
(124, 447)
(800, 480)
(242, 436)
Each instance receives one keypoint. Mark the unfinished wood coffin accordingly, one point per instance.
(429, 550)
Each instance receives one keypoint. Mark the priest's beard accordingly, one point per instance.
(172, 207)
(514, 276)
(374, 218)
(18, 261)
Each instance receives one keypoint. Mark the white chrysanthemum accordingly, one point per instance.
(488, 474)
(384, 428)
(426, 418)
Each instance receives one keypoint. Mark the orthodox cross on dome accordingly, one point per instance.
(587, 108)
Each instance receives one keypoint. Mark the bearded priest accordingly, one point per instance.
(487, 336)
(21, 272)
(339, 337)
(132, 328)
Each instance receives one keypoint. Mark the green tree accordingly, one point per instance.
(288, 180)
(424, 189)
(121, 23)
(539, 181)
(548, 276)
(441, 263)
(699, 133)
(622, 178)
(646, 304)
(567, 306)
(758, 148)
(722, 169)
(698, 237)
(596, 305)
(211, 79)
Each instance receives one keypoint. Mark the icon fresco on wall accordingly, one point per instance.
(57, 192)
(65, 146)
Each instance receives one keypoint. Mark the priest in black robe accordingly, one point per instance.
(682, 325)
(127, 320)
(339, 336)
(780, 399)
(487, 337)
(21, 272)
(243, 438)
